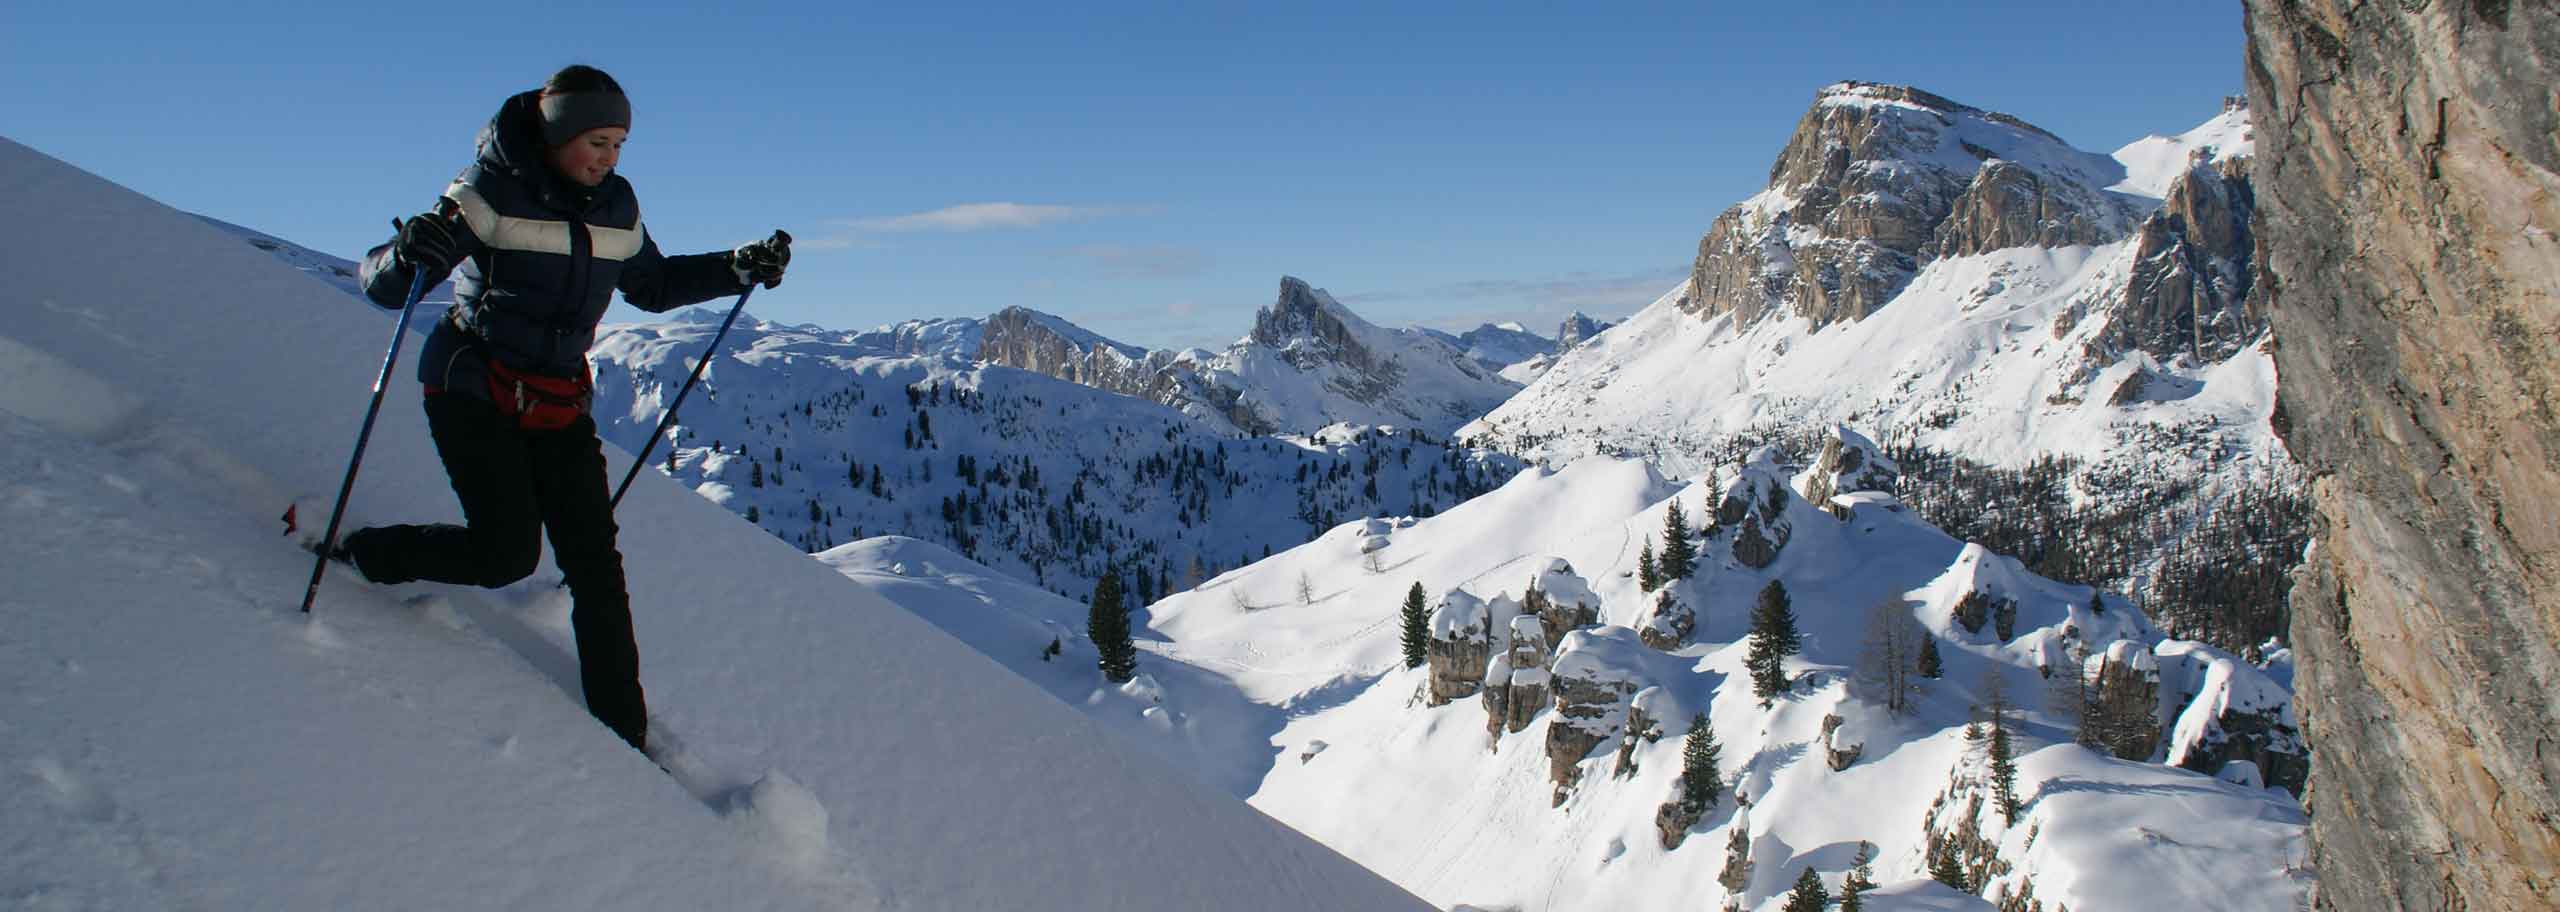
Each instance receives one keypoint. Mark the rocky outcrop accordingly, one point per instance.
(1751, 512)
(1577, 327)
(2010, 205)
(1562, 603)
(1460, 648)
(1596, 675)
(1876, 181)
(2407, 188)
(1838, 750)
(1849, 463)
(2232, 714)
(1670, 624)
(1515, 687)
(2190, 283)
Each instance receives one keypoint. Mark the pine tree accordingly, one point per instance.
(1679, 559)
(1945, 868)
(1808, 896)
(2004, 767)
(1930, 666)
(1861, 878)
(1108, 625)
(1773, 639)
(1646, 574)
(1417, 628)
(1700, 783)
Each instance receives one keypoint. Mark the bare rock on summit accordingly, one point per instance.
(1879, 179)
(2408, 190)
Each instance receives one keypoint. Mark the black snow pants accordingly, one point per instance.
(514, 485)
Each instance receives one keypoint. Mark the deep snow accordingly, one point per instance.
(176, 736)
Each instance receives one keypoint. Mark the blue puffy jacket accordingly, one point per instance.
(544, 258)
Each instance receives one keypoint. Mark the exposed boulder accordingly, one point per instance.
(1670, 623)
(1597, 673)
(1460, 648)
(2405, 181)
(1837, 750)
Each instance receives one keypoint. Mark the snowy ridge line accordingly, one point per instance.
(355, 764)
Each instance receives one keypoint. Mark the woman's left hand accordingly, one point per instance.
(762, 262)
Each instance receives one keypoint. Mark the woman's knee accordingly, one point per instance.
(503, 563)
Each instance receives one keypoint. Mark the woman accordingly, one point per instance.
(538, 233)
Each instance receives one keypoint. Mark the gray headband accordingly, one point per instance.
(565, 116)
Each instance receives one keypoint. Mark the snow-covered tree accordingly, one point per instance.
(1648, 575)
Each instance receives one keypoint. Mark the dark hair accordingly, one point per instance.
(579, 77)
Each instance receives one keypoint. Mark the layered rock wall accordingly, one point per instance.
(2408, 188)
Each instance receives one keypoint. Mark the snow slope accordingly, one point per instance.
(178, 737)
(1425, 796)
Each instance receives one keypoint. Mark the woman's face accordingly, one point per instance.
(591, 155)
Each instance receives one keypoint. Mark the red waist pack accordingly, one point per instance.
(540, 402)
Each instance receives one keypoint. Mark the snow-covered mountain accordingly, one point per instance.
(1949, 275)
(178, 736)
(1308, 363)
(1497, 346)
(827, 437)
(1528, 763)
(1979, 294)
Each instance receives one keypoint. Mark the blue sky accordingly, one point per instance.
(1149, 171)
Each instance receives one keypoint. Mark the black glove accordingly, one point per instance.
(433, 240)
(762, 262)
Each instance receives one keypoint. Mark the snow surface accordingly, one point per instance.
(1414, 792)
(177, 736)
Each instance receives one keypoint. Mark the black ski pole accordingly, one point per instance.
(329, 540)
(669, 418)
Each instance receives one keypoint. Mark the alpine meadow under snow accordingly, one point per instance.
(1601, 559)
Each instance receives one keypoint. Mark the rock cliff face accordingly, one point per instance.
(1879, 179)
(2191, 270)
(2408, 185)
(1308, 362)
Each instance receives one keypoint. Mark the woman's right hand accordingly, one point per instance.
(431, 240)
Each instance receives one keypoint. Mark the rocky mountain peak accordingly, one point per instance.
(1577, 327)
(1879, 179)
